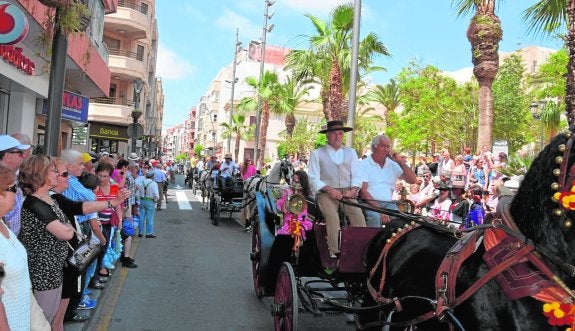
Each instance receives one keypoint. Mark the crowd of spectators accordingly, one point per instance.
(47, 205)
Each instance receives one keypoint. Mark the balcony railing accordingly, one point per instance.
(113, 101)
(141, 9)
(126, 53)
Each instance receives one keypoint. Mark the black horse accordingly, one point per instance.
(414, 259)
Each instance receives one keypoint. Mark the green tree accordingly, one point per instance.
(436, 111)
(330, 48)
(512, 120)
(387, 96)
(198, 148)
(365, 129)
(266, 89)
(238, 130)
(302, 140)
(182, 157)
(550, 17)
(290, 96)
(484, 34)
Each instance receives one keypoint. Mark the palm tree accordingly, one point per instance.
(388, 96)
(484, 33)
(290, 95)
(237, 129)
(329, 59)
(266, 90)
(547, 16)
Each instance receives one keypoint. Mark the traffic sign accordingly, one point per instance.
(135, 131)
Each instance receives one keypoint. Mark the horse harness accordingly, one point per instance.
(506, 248)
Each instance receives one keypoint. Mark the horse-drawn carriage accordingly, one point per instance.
(515, 273)
(226, 199)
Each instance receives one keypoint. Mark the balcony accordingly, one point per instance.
(112, 113)
(127, 65)
(131, 21)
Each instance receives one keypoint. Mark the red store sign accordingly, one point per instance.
(13, 29)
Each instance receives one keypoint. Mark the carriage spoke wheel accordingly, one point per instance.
(214, 210)
(255, 257)
(285, 306)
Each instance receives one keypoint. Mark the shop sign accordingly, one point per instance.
(108, 131)
(13, 24)
(14, 57)
(74, 107)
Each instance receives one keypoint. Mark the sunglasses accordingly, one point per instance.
(16, 152)
(12, 188)
(64, 174)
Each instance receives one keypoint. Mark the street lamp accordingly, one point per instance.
(536, 110)
(138, 85)
(237, 48)
(266, 29)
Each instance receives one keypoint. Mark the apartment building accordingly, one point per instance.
(128, 119)
(25, 70)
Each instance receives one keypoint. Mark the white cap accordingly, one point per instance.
(7, 142)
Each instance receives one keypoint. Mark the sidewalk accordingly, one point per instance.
(107, 297)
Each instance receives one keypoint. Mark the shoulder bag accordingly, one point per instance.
(89, 248)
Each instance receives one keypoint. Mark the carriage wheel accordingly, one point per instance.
(214, 210)
(255, 257)
(285, 306)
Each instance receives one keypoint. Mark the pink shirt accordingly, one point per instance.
(250, 171)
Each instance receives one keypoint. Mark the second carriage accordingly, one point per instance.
(226, 198)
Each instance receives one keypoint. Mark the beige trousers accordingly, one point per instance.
(329, 208)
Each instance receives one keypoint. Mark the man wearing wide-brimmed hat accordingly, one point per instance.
(333, 175)
(227, 169)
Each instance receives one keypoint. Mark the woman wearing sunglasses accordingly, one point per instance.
(14, 277)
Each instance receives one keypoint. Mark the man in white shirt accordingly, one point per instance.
(379, 173)
(334, 176)
(227, 169)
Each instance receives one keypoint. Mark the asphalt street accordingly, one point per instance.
(193, 276)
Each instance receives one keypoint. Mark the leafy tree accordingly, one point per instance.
(198, 148)
(512, 120)
(388, 96)
(484, 33)
(266, 89)
(182, 157)
(364, 130)
(549, 17)
(437, 112)
(238, 130)
(302, 140)
(290, 96)
(331, 48)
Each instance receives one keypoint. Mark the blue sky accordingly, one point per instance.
(196, 37)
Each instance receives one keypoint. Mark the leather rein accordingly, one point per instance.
(466, 245)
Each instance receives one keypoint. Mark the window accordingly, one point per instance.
(252, 120)
(140, 53)
(144, 8)
(112, 43)
(113, 88)
(215, 118)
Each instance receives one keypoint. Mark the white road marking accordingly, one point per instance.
(183, 202)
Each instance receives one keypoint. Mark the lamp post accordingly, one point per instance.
(138, 85)
(536, 110)
(266, 29)
(237, 47)
(354, 70)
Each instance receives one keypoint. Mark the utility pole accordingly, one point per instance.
(234, 79)
(56, 88)
(266, 29)
(354, 70)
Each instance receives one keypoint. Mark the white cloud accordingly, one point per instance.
(233, 20)
(172, 65)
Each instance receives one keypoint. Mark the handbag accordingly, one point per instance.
(128, 228)
(88, 250)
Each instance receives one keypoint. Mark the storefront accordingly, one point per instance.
(108, 138)
(23, 83)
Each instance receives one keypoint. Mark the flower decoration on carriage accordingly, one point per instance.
(560, 314)
(566, 199)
